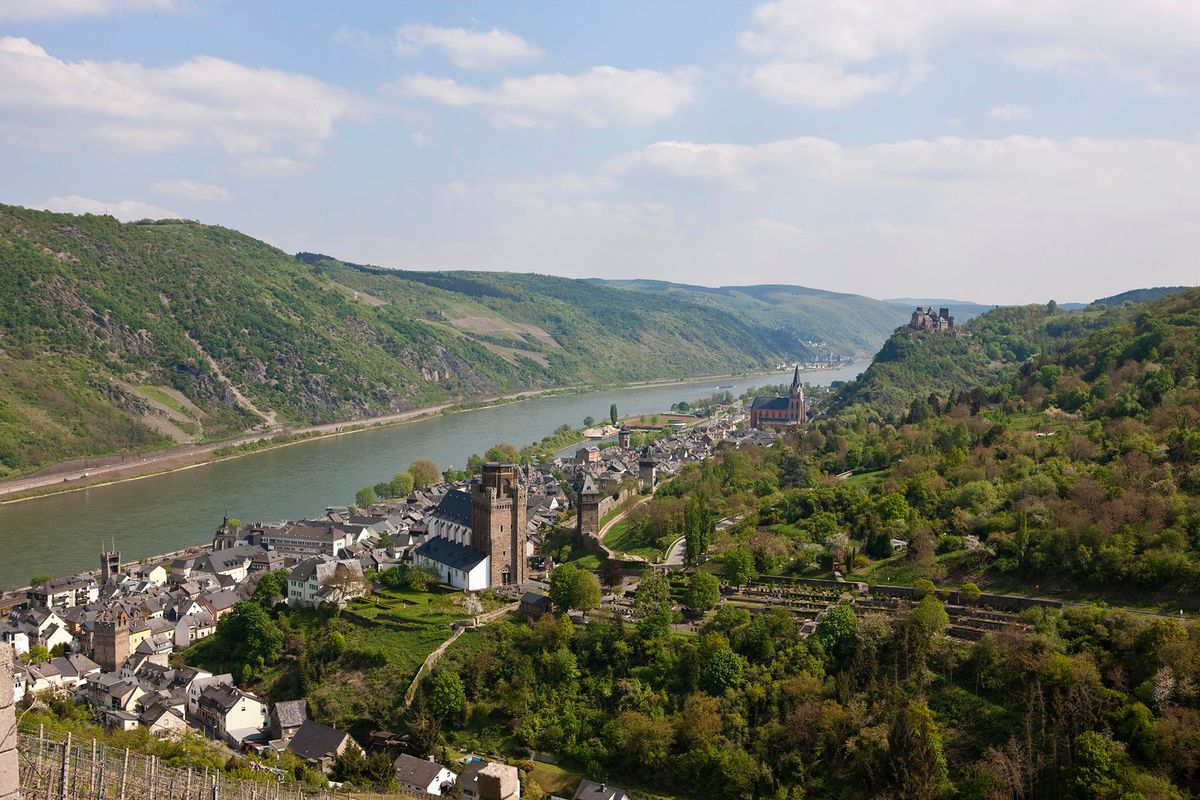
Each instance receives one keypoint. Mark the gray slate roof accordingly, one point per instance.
(455, 506)
(451, 554)
(315, 741)
(416, 771)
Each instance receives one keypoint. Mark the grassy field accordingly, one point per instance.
(619, 539)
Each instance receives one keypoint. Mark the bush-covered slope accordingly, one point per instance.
(828, 322)
(121, 336)
(914, 364)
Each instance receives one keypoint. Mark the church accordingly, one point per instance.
(772, 412)
(476, 536)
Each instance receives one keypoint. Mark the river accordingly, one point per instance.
(62, 534)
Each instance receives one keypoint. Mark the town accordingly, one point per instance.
(106, 638)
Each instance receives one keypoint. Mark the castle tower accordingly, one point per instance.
(110, 644)
(647, 467)
(624, 437)
(587, 519)
(110, 565)
(498, 504)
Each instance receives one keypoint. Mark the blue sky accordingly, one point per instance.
(992, 150)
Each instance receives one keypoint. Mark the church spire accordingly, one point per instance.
(797, 387)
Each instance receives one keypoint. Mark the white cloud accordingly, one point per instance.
(469, 49)
(64, 9)
(1013, 219)
(46, 101)
(126, 210)
(1153, 44)
(360, 40)
(191, 190)
(600, 97)
(1010, 113)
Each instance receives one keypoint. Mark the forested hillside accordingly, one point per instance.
(830, 322)
(125, 336)
(913, 364)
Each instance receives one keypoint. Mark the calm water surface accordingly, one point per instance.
(61, 534)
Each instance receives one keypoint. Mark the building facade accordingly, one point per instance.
(772, 412)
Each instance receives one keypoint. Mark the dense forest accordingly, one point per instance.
(117, 337)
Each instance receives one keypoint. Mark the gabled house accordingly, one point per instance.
(228, 713)
(323, 579)
(286, 718)
(419, 775)
(318, 745)
(192, 628)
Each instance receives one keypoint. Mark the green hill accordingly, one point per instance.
(830, 323)
(127, 336)
(912, 365)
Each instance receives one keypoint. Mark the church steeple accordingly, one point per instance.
(797, 387)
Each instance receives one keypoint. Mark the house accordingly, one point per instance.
(65, 592)
(153, 574)
(194, 686)
(418, 775)
(164, 721)
(109, 691)
(226, 712)
(534, 605)
(218, 604)
(310, 538)
(323, 579)
(192, 628)
(286, 718)
(318, 745)
(457, 565)
(590, 790)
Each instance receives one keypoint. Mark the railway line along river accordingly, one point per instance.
(61, 534)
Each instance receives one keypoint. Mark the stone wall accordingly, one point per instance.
(608, 502)
(9, 765)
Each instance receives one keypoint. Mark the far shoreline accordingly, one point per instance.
(205, 456)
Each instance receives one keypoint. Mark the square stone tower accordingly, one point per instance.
(110, 642)
(587, 518)
(498, 506)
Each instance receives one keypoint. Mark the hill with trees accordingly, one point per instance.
(830, 322)
(118, 337)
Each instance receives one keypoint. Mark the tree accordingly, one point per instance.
(924, 587)
(970, 593)
(248, 635)
(38, 654)
(653, 595)
(445, 694)
(918, 765)
(837, 632)
(425, 473)
(739, 566)
(589, 421)
(402, 484)
(698, 527)
(723, 671)
(612, 574)
(419, 579)
(562, 586)
(571, 587)
(503, 453)
(703, 592)
(38, 580)
(612, 413)
(364, 496)
(271, 584)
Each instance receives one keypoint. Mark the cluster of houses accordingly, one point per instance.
(106, 637)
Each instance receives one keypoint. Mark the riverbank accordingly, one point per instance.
(115, 469)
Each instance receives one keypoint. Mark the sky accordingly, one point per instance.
(999, 151)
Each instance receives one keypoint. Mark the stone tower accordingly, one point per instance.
(110, 645)
(587, 520)
(498, 522)
(624, 437)
(110, 565)
(647, 467)
(797, 412)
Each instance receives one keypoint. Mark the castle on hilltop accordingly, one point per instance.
(926, 320)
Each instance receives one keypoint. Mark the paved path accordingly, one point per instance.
(608, 551)
(433, 657)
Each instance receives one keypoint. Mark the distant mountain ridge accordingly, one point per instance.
(842, 323)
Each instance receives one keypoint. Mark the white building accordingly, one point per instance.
(418, 775)
(323, 579)
(456, 564)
